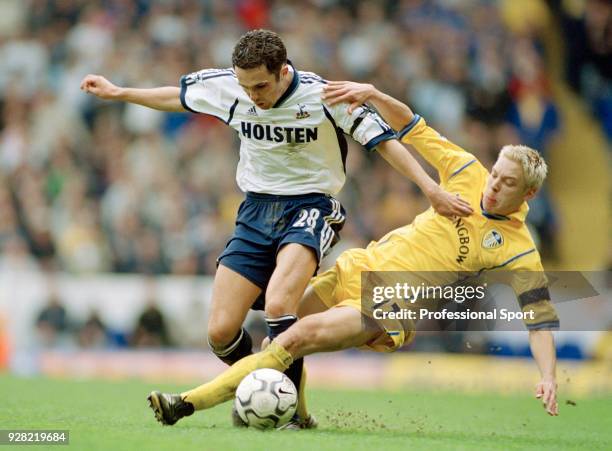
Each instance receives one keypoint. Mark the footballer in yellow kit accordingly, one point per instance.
(481, 242)
(493, 238)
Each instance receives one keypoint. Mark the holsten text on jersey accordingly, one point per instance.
(277, 134)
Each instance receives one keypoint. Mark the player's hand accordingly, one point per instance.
(546, 391)
(449, 205)
(356, 94)
(99, 86)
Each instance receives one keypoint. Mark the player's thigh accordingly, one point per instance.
(295, 265)
(310, 303)
(232, 297)
(332, 330)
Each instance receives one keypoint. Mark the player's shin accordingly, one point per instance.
(222, 388)
(240, 347)
(302, 409)
(295, 372)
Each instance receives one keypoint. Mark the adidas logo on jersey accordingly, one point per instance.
(252, 111)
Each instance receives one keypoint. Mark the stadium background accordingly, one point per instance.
(111, 216)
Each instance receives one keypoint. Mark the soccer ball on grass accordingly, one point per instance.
(266, 399)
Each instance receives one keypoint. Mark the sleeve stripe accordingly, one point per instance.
(183, 92)
(342, 144)
(510, 260)
(461, 168)
(214, 70)
(533, 296)
(404, 131)
(356, 124)
(330, 117)
(304, 76)
(386, 136)
(231, 112)
(184, 102)
(516, 257)
(546, 325)
(208, 77)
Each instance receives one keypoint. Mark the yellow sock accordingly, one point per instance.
(223, 387)
(302, 410)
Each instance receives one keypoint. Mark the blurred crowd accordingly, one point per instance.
(587, 29)
(94, 186)
(57, 328)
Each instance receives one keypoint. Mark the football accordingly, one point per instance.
(266, 399)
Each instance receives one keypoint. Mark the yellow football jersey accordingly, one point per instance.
(433, 243)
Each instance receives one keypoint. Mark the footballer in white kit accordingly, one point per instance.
(293, 153)
(292, 163)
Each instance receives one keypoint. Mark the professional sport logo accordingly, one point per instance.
(492, 240)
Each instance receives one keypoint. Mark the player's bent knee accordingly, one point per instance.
(220, 335)
(277, 307)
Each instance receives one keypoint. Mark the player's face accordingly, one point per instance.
(262, 86)
(506, 189)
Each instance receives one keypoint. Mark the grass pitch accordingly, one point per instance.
(115, 416)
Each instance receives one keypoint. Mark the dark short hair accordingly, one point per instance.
(259, 47)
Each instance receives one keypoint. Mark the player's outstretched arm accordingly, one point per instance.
(442, 202)
(542, 345)
(165, 98)
(394, 112)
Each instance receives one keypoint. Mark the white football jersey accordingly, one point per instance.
(295, 147)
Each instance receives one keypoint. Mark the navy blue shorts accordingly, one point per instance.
(266, 222)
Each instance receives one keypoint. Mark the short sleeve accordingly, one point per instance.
(448, 158)
(209, 91)
(530, 284)
(364, 125)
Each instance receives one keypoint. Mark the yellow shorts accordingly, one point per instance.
(341, 286)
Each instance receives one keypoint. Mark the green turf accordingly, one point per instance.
(115, 416)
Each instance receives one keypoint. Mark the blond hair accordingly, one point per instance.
(534, 166)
